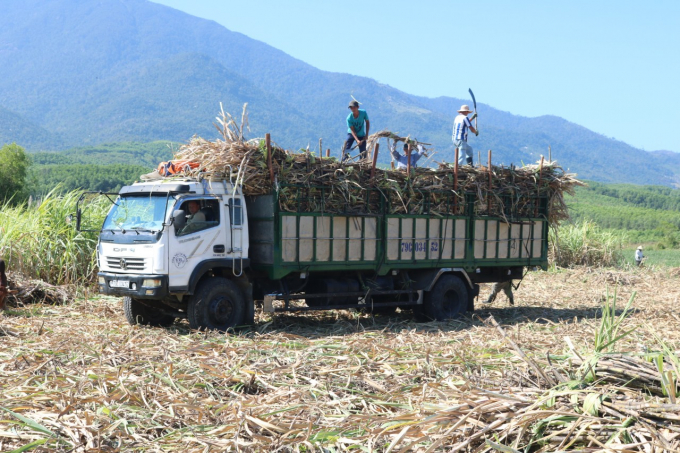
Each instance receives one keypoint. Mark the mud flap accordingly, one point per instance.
(249, 315)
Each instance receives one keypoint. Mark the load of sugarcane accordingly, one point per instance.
(307, 182)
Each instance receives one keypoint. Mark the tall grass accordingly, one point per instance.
(585, 243)
(37, 241)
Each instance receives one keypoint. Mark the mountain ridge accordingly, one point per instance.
(132, 70)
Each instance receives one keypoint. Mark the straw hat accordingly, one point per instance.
(639, 248)
(464, 109)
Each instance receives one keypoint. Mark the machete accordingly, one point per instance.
(474, 102)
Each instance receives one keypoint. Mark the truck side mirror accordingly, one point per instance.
(179, 218)
(70, 218)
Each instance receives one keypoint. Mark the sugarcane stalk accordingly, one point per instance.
(375, 160)
(268, 142)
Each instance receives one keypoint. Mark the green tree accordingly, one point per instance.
(14, 163)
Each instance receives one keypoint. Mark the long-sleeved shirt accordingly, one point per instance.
(638, 255)
(402, 161)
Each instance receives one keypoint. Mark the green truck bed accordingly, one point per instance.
(287, 242)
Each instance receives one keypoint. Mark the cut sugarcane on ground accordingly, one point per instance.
(77, 377)
(308, 182)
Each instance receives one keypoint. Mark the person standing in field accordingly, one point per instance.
(402, 160)
(506, 287)
(358, 126)
(639, 256)
(461, 125)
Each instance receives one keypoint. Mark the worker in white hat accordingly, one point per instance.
(461, 125)
(639, 256)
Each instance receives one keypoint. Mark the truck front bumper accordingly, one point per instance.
(137, 286)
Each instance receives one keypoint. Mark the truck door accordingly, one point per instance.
(202, 238)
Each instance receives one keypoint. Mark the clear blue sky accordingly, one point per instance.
(611, 66)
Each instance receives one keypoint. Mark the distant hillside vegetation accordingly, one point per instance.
(106, 167)
(647, 214)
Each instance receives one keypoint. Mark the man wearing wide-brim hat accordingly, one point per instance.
(639, 256)
(461, 125)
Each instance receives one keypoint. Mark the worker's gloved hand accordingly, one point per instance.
(473, 117)
(477, 133)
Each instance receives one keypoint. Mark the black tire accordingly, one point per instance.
(138, 313)
(447, 300)
(218, 304)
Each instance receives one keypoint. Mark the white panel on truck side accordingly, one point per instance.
(479, 239)
(393, 240)
(491, 242)
(515, 240)
(421, 243)
(371, 241)
(306, 239)
(339, 238)
(289, 238)
(406, 245)
(355, 230)
(460, 239)
(503, 239)
(448, 241)
(323, 243)
(538, 239)
(434, 244)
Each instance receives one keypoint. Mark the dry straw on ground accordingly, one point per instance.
(308, 182)
(77, 378)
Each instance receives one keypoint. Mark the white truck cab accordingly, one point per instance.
(161, 238)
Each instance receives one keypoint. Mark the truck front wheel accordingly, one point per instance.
(137, 312)
(448, 299)
(217, 304)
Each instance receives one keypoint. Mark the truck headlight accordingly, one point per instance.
(102, 280)
(151, 283)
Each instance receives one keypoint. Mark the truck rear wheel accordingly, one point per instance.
(138, 313)
(217, 305)
(448, 299)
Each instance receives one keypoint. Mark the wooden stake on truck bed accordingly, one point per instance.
(488, 193)
(538, 186)
(408, 160)
(455, 183)
(268, 142)
(375, 160)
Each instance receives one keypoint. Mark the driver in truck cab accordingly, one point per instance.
(195, 214)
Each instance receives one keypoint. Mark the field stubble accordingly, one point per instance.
(77, 377)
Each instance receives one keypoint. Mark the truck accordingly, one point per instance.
(200, 249)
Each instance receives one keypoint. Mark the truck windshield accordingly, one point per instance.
(139, 212)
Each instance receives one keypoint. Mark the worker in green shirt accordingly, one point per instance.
(358, 126)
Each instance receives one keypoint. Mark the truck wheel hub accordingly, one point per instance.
(220, 310)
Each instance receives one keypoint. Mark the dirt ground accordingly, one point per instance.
(77, 377)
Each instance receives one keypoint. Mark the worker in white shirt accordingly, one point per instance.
(461, 125)
(639, 256)
(402, 160)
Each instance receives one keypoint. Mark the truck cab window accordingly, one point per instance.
(201, 215)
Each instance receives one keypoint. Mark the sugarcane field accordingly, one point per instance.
(304, 302)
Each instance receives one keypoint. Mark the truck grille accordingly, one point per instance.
(125, 264)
